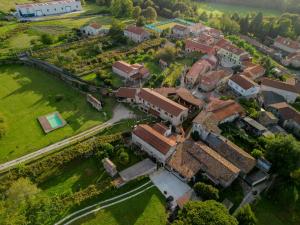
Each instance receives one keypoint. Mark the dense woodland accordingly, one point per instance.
(292, 6)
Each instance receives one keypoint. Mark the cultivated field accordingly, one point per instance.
(25, 95)
(219, 8)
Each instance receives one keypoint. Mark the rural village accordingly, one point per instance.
(148, 112)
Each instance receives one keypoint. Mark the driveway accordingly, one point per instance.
(167, 181)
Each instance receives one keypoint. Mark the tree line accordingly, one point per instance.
(292, 6)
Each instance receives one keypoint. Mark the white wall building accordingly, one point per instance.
(48, 8)
(94, 29)
(136, 34)
(290, 92)
(243, 86)
(232, 56)
(154, 143)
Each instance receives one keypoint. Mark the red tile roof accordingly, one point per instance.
(124, 66)
(95, 25)
(243, 81)
(198, 68)
(254, 71)
(124, 92)
(281, 85)
(160, 128)
(162, 102)
(154, 138)
(213, 77)
(136, 30)
(287, 112)
(200, 47)
(185, 95)
(287, 42)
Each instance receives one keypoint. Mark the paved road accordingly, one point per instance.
(119, 113)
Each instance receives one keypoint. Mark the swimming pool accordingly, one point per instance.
(54, 120)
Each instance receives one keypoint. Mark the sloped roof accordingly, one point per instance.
(281, 85)
(154, 138)
(162, 102)
(136, 30)
(243, 81)
(287, 112)
(288, 42)
(124, 92)
(190, 157)
(231, 152)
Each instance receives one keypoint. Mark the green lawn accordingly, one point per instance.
(145, 209)
(26, 94)
(219, 8)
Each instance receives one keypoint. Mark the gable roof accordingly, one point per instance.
(161, 101)
(288, 42)
(287, 112)
(136, 30)
(180, 27)
(95, 25)
(217, 111)
(231, 152)
(185, 95)
(154, 138)
(199, 67)
(124, 92)
(243, 81)
(124, 66)
(281, 85)
(190, 157)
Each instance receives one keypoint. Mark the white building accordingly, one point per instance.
(48, 8)
(290, 92)
(232, 56)
(94, 29)
(130, 71)
(159, 105)
(154, 142)
(136, 34)
(94, 102)
(243, 86)
(286, 44)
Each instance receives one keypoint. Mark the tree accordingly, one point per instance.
(150, 13)
(244, 24)
(46, 39)
(256, 25)
(140, 21)
(205, 213)
(83, 2)
(245, 216)
(206, 191)
(123, 158)
(203, 16)
(195, 135)
(167, 54)
(266, 62)
(121, 8)
(284, 153)
(256, 153)
(137, 12)
(21, 190)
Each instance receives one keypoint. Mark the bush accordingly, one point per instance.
(206, 191)
(46, 39)
(256, 153)
(58, 98)
(2, 126)
(123, 158)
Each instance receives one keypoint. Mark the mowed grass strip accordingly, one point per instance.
(147, 208)
(26, 94)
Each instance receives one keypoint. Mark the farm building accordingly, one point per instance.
(47, 8)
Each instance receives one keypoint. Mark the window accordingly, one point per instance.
(54, 9)
(47, 10)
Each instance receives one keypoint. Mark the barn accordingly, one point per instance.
(48, 8)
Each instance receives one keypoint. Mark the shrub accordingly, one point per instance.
(123, 158)
(206, 191)
(58, 97)
(256, 153)
(46, 39)
(2, 126)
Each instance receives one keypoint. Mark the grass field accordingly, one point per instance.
(26, 94)
(145, 209)
(219, 8)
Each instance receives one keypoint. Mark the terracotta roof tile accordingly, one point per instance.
(124, 92)
(288, 42)
(154, 138)
(243, 81)
(287, 112)
(281, 85)
(162, 102)
(136, 30)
